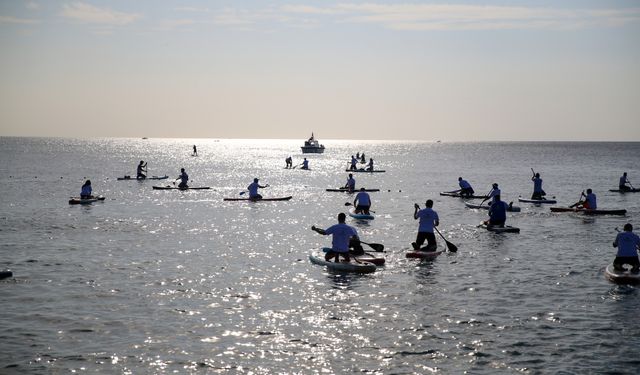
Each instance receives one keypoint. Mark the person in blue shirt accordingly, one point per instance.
(428, 220)
(351, 183)
(622, 185)
(465, 188)
(497, 212)
(354, 163)
(305, 164)
(362, 202)
(538, 193)
(253, 189)
(589, 201)
(344, 236)
(141, 170)
(184, 179)
(86, 191)
(370, 165)
(628, 244)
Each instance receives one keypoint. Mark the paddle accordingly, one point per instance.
(378, 247)
(351, 204)
(579, 200)
(452, 248)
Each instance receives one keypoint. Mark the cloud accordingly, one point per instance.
(32, 5)
(86, 13)
(17, 21)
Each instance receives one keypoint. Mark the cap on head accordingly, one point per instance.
(628, 227)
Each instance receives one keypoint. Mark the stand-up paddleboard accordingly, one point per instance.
(168, 187)
(345, 190)
(342, 266)
(510, 208)
(258, 200)
(353, 214)
(498, 229)
(588, 211)
(537, 201)
(426, 255)
(456, 194)
(78, 200)
(624, 191)
(366, 257)
(129, 178)
(362, 170)
(621, 277)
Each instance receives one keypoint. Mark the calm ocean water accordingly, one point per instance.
(182, 282)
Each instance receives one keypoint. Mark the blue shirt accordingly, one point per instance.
(305, 164)
(591, 200)
(86, 190)
(464, 184)
(184, 177)
(627, 243)
(537, 185)
(253, 189)
(493, 193)
(427, 218)
(351, 183)
(498, 211)
(342, 233)
(623, 181)
(363, 199)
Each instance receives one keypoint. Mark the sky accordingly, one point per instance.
(380, 70)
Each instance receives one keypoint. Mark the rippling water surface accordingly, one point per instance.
(167, 281)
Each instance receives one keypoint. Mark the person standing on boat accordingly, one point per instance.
(589, 201)
(465, 188)
(370, 165)
(253, 190)
(86, 191)
(538, 193)
(428, 220)
(628, 244)
(184, 178)
(305, 164)
(344, 236)
(195, 151)
(362, 202)
(351, 183)
(289, 162)
(354, 163)
(141, 170)
(622, 185)
(497, 212)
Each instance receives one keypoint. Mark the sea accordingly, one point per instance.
(182, 282)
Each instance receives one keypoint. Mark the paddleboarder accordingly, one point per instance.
(344, 236)
(253, 189)
(289, 162)
(370, 165)
(622, 185)
(538, 193)
(305, 164)
(589, 201)
(362, 202)
(141, 170)
(85, 192)
(465, 188)
(497, 212)
(195, 151)
(354, 163)
(495, 192)
(351, 183)
(628, 244)
(184, 178)
(428, 220)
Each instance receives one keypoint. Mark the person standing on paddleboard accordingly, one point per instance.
(141, 170)
(428, 220)
(351, 183)
(497, 212)
(86, 191)
(538, 193)
(184, 179)
(195, 151)
(362, 202)
(354, 163)
(589, 201)
(253, 189)
(622, 185)
(628, 244)
(465, 188)
(370, 165)
(344, 236)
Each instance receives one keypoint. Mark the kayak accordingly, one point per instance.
(537, 201)
(621, 277)
(78, 200)
(588, 211)
(353, 214)
(427, 255)
(355, 191)
(342, 266)
(366, 171)
(259, 200)
(497, 229)
(457, 195)
(127, 178)
(624, 191)
(366, 257)
(510, 208)
(168, 187)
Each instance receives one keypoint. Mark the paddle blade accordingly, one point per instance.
(453, 248)
(377, 247)
(242, 192)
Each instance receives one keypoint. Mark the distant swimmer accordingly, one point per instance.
(354, 163)
(141, 170)
(628, 244)
(253, 189)
(362, 202)
(195, 151)
(370, 165)
(184, 179)
(289, 162)
(497, 213)
(86, 191)
(428, 220)
(538, 193)
(622, 185)
(305, 164)
(351, 183)
(465, 188)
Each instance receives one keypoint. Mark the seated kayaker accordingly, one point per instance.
(86, 191)
(465, 188)
(622, 185)
(589, 201)
(362, 202)
(370, 165)
(497, 213)
(628, 244)
(305, 164)
(253, 189)
(184, 178)
(428, 220)
(538, 193)
(141, 170)
(351, 183)
(343, 235)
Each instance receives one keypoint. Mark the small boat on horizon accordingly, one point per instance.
(312, 146)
